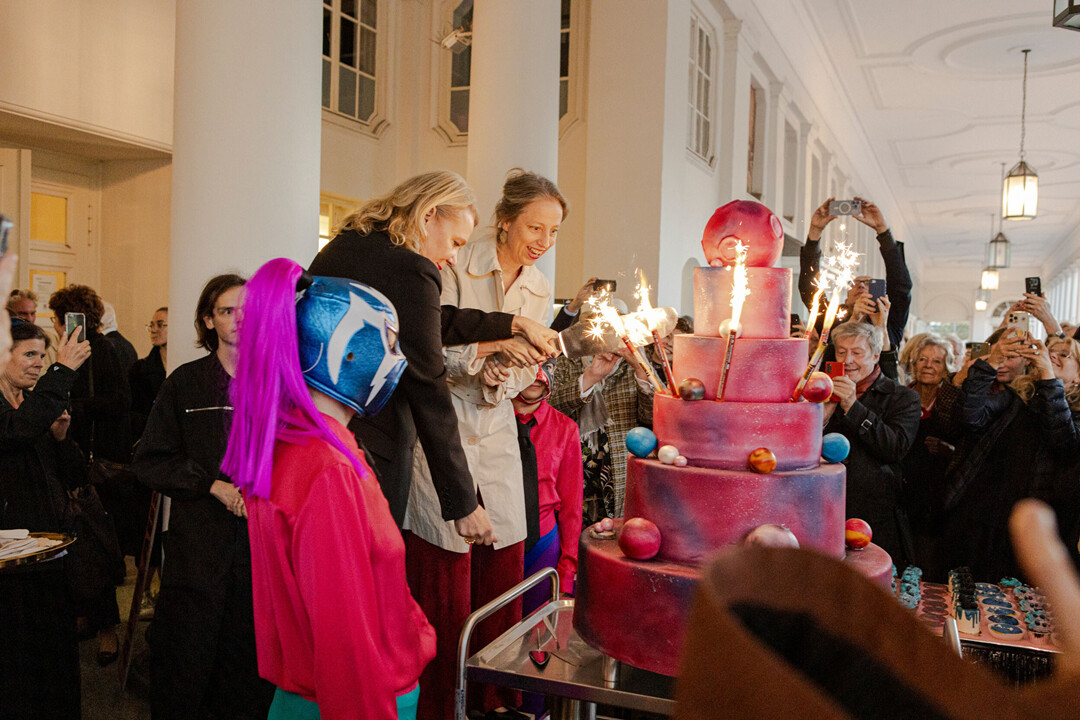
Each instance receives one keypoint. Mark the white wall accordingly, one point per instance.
(105, 66)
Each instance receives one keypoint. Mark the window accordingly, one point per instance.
(962, 329)
(699, 130)
(457, 69)
(333, 209)
(351, 59)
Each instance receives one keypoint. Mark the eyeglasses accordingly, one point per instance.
(159, 325)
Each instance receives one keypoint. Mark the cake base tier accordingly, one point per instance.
(699, 510)
(723, 434)
(765, 312)
(761, 370)
(636, 610)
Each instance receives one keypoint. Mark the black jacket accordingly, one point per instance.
(897, 281)
(145, 379)
(421, 404)
(103, 412)
(125, 351)
(881, 426)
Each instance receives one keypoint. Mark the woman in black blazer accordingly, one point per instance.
(397, 244)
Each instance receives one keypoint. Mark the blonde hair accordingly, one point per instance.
(400, 213)
(920, 342)
(521, 188)
(909, 352)
(1025, 384)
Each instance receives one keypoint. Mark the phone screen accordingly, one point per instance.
(1033, 285)
(75, 323)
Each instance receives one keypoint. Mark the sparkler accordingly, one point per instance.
(608, 315)
(646, 309)
(739, 291)
(841, 268)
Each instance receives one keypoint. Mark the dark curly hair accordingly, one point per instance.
(78, 299)
(215, 287)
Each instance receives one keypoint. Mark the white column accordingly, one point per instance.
(513, 99)
(246, 146)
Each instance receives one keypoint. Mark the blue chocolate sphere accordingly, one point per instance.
(835, 447)
(641, 441)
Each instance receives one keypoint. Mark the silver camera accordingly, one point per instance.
(845, 207)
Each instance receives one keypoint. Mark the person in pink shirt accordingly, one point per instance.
(549, 441)
(336, 628)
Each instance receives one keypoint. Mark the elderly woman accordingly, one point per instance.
(39, 664)
(1016, 407)
(397, 244)
(931, 361)
(880, 418)
(450, 575)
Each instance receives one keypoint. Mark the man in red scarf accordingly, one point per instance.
(880, 418)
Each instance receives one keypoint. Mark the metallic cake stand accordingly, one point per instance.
(577, 677)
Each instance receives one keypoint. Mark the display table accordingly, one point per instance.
(55, 550)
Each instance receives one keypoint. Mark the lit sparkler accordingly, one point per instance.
(646, 309)
(739, 292)
(608, 315)
(841, 269)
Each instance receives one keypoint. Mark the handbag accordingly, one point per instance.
(94, 561)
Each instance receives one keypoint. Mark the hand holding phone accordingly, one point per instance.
(75, 325)
(834, 370)
(845, 207)
(608, 285)
(876, 288)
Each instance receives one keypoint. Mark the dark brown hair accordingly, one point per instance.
(521, 188)
(216, 287)
(78, 299)
(22, 331)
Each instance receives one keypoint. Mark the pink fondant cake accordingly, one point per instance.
(635, 610)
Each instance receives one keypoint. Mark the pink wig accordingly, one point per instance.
(270, 397)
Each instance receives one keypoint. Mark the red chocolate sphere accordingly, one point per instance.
(639, 539)
(692, 389)
(857, 533)
(818, 387)
(762, 460)
(749, 222)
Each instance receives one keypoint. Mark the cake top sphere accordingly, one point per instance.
(749, 222)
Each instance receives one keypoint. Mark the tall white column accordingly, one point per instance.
(513, 99)
(246, 146)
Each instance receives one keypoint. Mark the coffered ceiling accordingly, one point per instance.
(936, 87)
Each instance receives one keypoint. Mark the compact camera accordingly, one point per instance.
(845, 207)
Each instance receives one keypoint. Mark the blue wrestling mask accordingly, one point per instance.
(348, 343)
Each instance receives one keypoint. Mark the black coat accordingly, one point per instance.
(203, 639)
(125, 351)
(881, 426)
(145, 379)
(421, 405)
(103, 412)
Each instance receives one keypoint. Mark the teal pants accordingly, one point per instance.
(290, 706)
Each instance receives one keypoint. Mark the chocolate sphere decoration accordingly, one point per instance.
(640, 441)
(770, 535)
(818, 387)
(667, 454)
(639, 539)
(762, 460)
(835, 447)
(857, 533)
(692, 389)
(680, 461)
(749, 222)
(725, 328)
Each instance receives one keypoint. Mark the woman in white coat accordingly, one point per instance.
(449, 576)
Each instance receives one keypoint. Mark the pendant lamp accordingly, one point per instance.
(1067, 14)
(989, 279)
(1020, 194)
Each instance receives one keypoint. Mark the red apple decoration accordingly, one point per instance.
(771, 535)
(639, 539)
(857, 533)
(749, 222)
(818, 387)
(762, 461)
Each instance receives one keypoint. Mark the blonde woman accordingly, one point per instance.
(452, 576)
(397, 244)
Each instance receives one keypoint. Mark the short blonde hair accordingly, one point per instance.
(400, 213)
(1025, 384)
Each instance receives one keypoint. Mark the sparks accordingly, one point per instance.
(740, 289)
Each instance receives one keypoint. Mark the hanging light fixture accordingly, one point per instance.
(982, 299)
(998, 252)
(989, 279)
(1020, 195)
(1067, 14)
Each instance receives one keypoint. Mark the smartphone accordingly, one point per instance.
(608, 285)
(796, 322)
(834, 369)
(1019, 321)
(978, 349)
(845, 207)
(876, 287)
(75, 323)
(5, 226)
(1033, 285)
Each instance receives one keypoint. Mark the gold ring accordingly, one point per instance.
(470, 541)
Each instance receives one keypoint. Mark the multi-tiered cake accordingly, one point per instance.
(635, 610)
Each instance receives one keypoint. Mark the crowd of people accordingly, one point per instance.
(390, 439)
